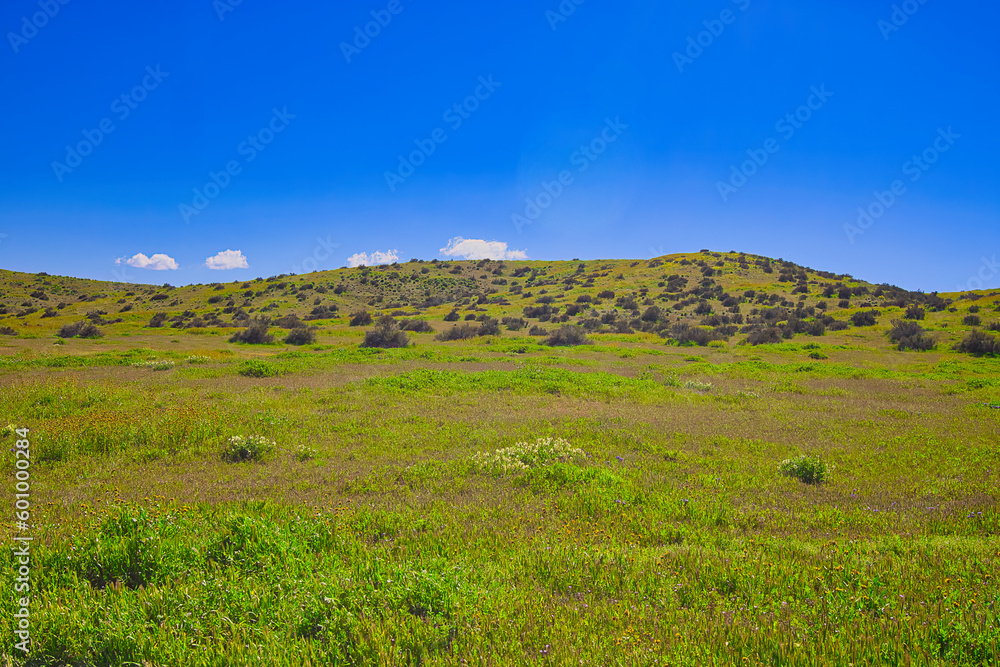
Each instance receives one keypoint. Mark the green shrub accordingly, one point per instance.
(255, 368)
(910, 336)
(458, 332)
(301, 336)
(255, 333)
(361, 318)
(82, 329)
(453, 316)
(250, 448)
(807, 469)
(972, 320)
(527, 455)
(865, 318)
(979, 343)
(385, 334)
(914, 312)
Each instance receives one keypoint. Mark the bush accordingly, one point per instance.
(361, 318)
(418, 326)
(7, 331)
(972, 320)
(514, 323)
(914, 312)
(251, 448)
(567, 335)
(386, 333)
(255, 333)
(865, 318)
(764, 335)
(289, 322)
(488, 327)
(979, 343)
(458, 332)
(807, 469)
(910, 336)
(537, 330)
(82, 329)
(255, 368)
(301, 336)
(452, 316)
(685, 334)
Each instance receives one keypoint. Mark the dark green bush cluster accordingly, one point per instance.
(255, 333)
(361, 318)
(979, 343)
(567, 335)
(910, 336)
(82, 329)
(865, 318)
(385, 334)
(301, 336)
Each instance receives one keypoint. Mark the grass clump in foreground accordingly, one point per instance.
(240, 449)
(807, 469)
(527, 455)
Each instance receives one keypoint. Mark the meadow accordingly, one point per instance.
(733, 463)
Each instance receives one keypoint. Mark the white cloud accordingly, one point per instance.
(480, 249)
(158, 262)
(377, 257)
(227, 259)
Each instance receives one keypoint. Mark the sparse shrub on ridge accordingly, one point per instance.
(865, 318)
(914, 312)
(458, 332)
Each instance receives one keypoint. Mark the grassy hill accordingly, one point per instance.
(736, 464)
(726, 297)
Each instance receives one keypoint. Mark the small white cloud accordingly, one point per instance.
(480, 249)
(158, 262)
(227, 259)
(377, 257)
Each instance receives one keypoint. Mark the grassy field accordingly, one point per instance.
(497, 499)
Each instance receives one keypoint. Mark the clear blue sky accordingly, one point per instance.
(665, 97)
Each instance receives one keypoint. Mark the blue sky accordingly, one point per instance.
(287, 136)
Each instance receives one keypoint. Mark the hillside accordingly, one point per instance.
(696, 298)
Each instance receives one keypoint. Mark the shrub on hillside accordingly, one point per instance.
(865, 318)
(979, 343)
(7, 331)
(453, 316)
(256, 368)
(567, 335)
(764, 335)
(686, 334)
(914, 312)
(361, 318)
(909, 336)
(290, 321)
(514, 323)
(972, 320)
(386, 333)
(418, 326)
(537, 330)
(301, 336)
(488, 327)
(255, 333)
(458, 332)
(82, 329)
